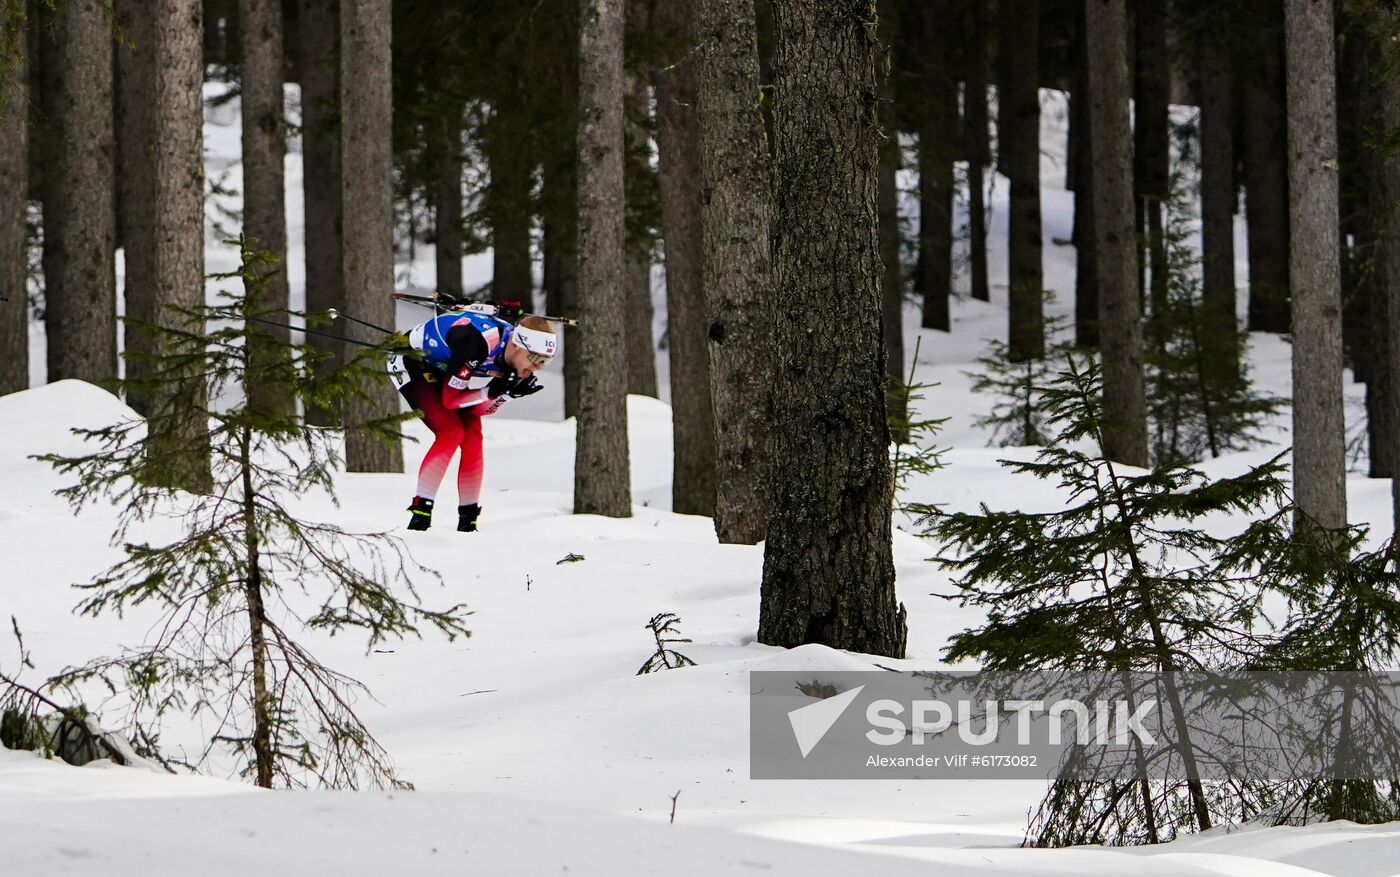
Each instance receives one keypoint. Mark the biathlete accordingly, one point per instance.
(470, 364)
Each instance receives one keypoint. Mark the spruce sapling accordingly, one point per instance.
(245, 577)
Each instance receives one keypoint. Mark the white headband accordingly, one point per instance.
(535, 341)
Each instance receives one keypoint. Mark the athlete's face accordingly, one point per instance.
(523, 361)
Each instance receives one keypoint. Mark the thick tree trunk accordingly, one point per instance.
(264, 189)
(178, 123)
(640, 189)
(136, 189)
(319, 30)
(447, 207)
(1115, 240)
(1266, 169)
(1218, 195)
(1152, 152)
(602, 481)
(737, 270)
(828, 575)
(1319, 426)
(891, 276)
(367, 199)
(14, 207)
(938, 122)
(79, 220)
(978, 148)
(1019, 120)
(678, 148)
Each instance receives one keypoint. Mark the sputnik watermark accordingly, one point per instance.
(1113, 721)
(1045, 725)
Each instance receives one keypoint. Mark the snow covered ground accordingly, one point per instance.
(533, 746)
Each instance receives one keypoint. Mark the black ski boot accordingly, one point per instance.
(422, 510)
(466, 517)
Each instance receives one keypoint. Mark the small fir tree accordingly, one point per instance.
(1018, 415)
(245, 576)
(1200, 400)
(1125, 578)
(913, 452)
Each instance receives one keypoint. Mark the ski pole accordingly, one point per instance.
(307, 331)
(337, 315)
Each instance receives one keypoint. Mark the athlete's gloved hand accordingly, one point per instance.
(524, 387)
(501, 384)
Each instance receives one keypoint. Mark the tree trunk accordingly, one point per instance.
(557, 86)
(1152, 152)
(319, 30)
(1019, 121)
(79, 219)
(737, 270)
(264, 190)
(891, 276)
(828, 575)
(938, 124)
(678, 148)
(447, 206)
(136, 190)
(1266, 169)
(1086, 284)
(602, 481)
(1115, 238)
(1218, 195)
(1377, 194)
(508, 201)
(1385, 202)
(367, 202)
(178, 425)
(1319, 440)
(978, 148)
(640, 194)
(14, 208)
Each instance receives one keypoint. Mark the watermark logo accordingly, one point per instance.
(810, 723)
(1045, 725)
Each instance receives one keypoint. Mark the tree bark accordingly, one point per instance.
(1115, 240)
(1019, 121)
(640, 194)
(1218, 195)
(938, 122)
(178, 123)
(978, 148)
(1319, 441)
(319, 43)
(1265, 148)
(1385, 203)
(79, 220)
(136, 190)
(1152, 147)
(602, 480)
(367, 202)
(264, 189)
(891, 275)
(447, 206)
(14, 209)
(678, 148)
(737, 269)
(828, 575)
